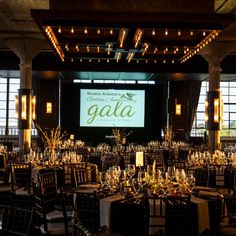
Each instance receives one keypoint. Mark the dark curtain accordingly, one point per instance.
(193, 93)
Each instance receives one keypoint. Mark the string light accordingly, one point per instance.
(59, 30)
(153, 32)
(98, 49)
(191, 33)
(111, 31)
(85, 31)
(179, 33)
(166, 32)
(72, 30)
(204, 33)
(98, 31)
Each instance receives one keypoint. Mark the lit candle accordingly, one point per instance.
(154, 169)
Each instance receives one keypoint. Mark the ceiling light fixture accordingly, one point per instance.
(122, 36)
(137, 37)
(130, 56)
(48, 30)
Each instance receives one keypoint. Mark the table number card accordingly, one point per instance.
(139, 159)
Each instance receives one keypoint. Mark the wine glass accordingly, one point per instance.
(141, 179)
(171, 172)
(130, 171)
(191, 182)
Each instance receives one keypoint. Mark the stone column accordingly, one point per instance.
(214, 54)
(26, 49)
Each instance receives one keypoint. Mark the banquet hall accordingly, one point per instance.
(118, 118)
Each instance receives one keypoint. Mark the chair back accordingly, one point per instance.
(87, 205)
(177, 215)
(219, 176)
(80, 230)
(155, 214)
(69, 173)
(21, 176)
(17, 221)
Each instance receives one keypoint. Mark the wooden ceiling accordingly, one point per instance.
(156, 52)
(126, 38)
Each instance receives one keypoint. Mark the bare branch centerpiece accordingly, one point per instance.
(120, 135)
(52, 140)
(169, 135)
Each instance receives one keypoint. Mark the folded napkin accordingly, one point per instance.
(203, 214)
(94, 186)
(210, 194)
(204, 188)
(105, 209)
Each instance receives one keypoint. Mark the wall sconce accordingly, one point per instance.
(177, 108)
(49, 108)
(25, 108)
(214, 110)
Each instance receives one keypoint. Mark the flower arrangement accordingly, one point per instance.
(120, 135)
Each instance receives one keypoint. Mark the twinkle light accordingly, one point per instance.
(98, 31)
(166, 32)
(87, 48)
(153, 32)
(72, 30)
(204, 33)
(85, 31)
(179, 33)
(191, 33)
(98, 49)
(59, 30)
(111, 31)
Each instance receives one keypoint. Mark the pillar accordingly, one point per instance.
(26, 49)
(214, 54)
